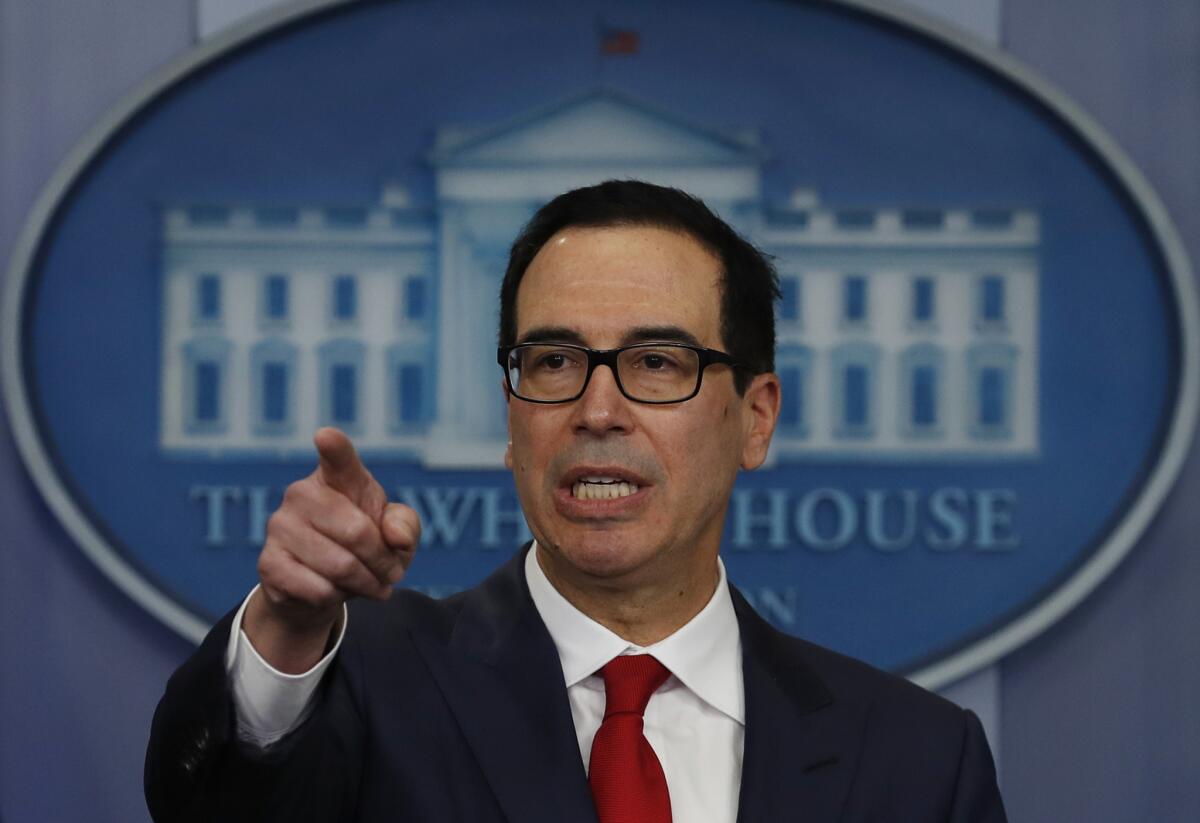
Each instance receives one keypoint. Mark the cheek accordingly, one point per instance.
(710, 450)
(699, 451)
(524, 455)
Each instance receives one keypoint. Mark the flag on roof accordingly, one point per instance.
(618, 41)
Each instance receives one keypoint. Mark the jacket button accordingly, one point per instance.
(195, 751)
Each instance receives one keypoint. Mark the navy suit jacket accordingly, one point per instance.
(456, 710)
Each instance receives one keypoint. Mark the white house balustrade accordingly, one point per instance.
(905, 331)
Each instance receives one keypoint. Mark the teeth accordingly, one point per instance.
(602, 488)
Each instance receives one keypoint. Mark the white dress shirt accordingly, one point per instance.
(695, 722)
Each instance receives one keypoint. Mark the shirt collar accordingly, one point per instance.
(705, 654)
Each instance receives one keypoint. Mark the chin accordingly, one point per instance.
(599, 553)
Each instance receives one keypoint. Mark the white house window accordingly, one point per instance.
(208, 215)
(275, 300)
(273, 372)
(793, 368)
(854, 219)
(416, 299)
(206, 306)
(346, 217)
(990, 372)
(854, 300)
(344, 300)
(992, 219)
(207, 367)
(924, 301)
(921, 390)
(341, 367)
(409, 390)
(922, 219)
(991, 298)
(276, 217)
(274, 384)
(410, 382)
(854, 370)
(790, 303)
(208, 391)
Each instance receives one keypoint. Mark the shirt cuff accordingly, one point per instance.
(269, 703)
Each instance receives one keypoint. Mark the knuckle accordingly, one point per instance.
(358, 530)
(274, 577)
(396, 573)
(278, 524)
(342, 566)
(301, 497)
(266, 566)
(324, 595)
(294, 493)
(316, 599)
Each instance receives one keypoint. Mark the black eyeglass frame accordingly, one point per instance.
(608, 357)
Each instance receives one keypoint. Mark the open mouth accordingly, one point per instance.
(602, 488)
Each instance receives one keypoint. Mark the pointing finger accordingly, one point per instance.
(341, 469)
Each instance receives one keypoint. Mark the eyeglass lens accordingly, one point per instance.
(659, 374)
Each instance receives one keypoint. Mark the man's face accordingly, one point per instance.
(610, 287)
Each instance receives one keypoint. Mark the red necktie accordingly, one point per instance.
(627, 780)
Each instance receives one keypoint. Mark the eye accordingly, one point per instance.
(553, 360)
(655, 360)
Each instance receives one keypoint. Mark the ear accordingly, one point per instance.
(508, 457)
(760, 409)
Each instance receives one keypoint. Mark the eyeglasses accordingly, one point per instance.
(645, 372)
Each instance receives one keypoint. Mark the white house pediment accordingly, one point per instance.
(601, 127)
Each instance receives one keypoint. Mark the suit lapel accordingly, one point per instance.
(501, 676)
(801, 746)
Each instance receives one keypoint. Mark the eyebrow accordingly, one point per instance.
(641, 334)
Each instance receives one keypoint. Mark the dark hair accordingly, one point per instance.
(749, 284)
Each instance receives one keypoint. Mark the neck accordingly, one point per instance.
(644, 612)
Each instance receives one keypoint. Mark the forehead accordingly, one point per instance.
(601, 282)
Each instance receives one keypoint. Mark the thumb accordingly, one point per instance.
(401, 527)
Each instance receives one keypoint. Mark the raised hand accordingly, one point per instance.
(334, 537)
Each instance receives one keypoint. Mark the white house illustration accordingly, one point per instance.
(904, 332)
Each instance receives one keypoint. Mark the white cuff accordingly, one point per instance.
(268, 702)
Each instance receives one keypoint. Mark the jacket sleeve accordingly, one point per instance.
(976, 793)
(198, 770)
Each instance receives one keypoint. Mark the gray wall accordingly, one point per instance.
(1100, 716)
(1099, 721)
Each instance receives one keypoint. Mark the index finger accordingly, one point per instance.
(340, 468)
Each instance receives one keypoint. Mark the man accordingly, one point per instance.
(607, 672)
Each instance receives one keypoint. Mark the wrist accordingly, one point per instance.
(291, 642)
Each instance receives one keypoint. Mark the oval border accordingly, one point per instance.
(957, 664)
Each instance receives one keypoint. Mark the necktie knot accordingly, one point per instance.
(629, 681)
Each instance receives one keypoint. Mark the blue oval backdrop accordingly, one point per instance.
(982, 338)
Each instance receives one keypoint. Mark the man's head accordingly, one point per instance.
(749, 285)
(618, 492)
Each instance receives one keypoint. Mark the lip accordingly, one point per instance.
(575, 509)
(577, 473)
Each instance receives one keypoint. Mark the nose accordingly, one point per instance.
(602, 409)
